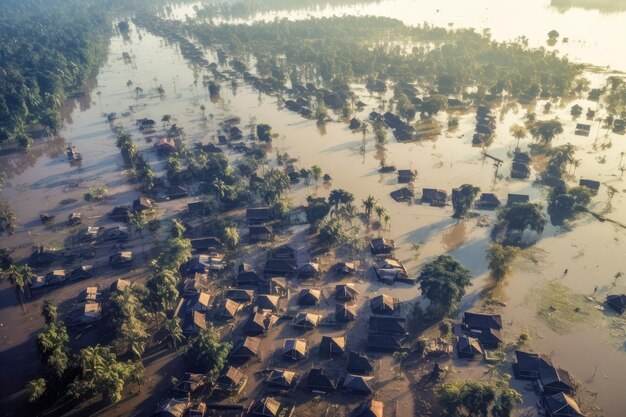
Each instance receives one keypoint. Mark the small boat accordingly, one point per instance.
(73, 154)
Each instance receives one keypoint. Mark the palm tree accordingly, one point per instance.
(173, 332)
(576, 163)
(220, 189)
(20, 276)
(368, 204)
(166, 119)
(518, 132)
(161, 91)
(380, 212)
(316, 171)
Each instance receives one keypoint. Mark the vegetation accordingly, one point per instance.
(206, 354)
(341, 49)
(563, 204)
(518, 218)
(36, 388)
(462, 199)
(560, 157)
(20, 276)
(500, 258)
(478, 398)
(8, 219)
(443, 281)
(100, 372)
(546, 130)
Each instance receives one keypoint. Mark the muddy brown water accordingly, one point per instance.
(592, 349)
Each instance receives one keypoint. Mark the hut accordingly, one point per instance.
(371, 408)
(260, 233)
(142, 203)
(259, 323)
(345, 292)
(295, 349)
(267, 302)
(332, 346)
(189, 383)
(230, 380)
(517, 198)
(617, 303)
(121, 260)
(345, 312)
(489, 201)
(120, 285)
(306, 321)
(265, 407)
(239, 295)
(560, 405)
(200, 302)
(404, 194)
(309, 297)
(357, 384)
(553, 380)
(358, 363)
(395, 326)
(319, 382)
(82, 272)
(384, 304)
(406, 176)
(228, 309)
(344, 268)
(258, 215)
(527, 365)
(204, 244)
(384, 342)
(245, 348)
(86, 313)
(172, 407)
(469, 348)
(274, 286)
(194, 323)
(434, 197)
(380, 246)
(281, 378)
(247, 276)
(309, 270)
(592, 185)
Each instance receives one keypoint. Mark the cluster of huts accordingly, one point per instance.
(485, 126)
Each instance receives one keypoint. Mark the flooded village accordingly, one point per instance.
(323, 208)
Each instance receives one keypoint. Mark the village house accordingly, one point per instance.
(469, 348)
(318, 381)
(259, 215)
(434, 197)
(281, 378)
(560, 405)
(357, 384)
(194, 322)
(517, 198)
(258, 234)
(370, 408)
(230, 380)
(357, 363)
(259, 323)
(295, 349)
(345, 312)
(306, 321)
(345, 292)
(332, 346)
(592, 185)
(380, 246)
(245, 348)
(617, 302)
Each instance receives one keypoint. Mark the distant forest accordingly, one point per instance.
(242, 9)
(49, 49)
(605, 6)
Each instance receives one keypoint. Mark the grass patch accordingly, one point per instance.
(561, 309)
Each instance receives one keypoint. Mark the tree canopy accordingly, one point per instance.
(443, 281)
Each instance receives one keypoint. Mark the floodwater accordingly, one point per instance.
(592, 348)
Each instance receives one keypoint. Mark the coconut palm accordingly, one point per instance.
(173, 332)
(368, 205)
(20, 276)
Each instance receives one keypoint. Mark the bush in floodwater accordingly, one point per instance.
(96, 193)
(8, 219)
(500, 258)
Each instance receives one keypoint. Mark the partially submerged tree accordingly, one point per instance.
(443, 281)
(316, 209)
(462, 199)
(518, 218)
(563, 204)
(546, 130)
(20, 276)
(500, 258)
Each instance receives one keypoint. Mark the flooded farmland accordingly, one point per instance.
(580, 262)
